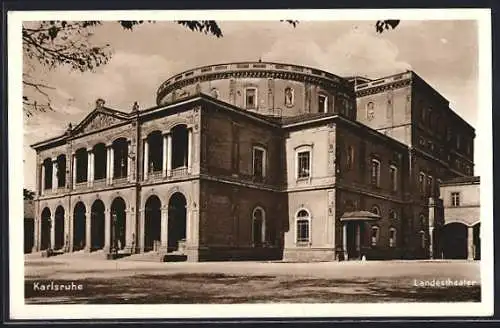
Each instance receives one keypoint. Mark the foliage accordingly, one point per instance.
(383, 25)
(28, 194)
(61, 43)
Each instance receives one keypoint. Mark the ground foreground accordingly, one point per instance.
(124, 281)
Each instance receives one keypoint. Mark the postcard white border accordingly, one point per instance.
(18, 310)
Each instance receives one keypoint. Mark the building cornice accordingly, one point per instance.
(372, 88)
(252, 70)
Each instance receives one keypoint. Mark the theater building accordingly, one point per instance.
(255, 161)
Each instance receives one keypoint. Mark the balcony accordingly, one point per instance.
(99, 183)
(155, 176)
(179, 172)
(119, 181)
(81, 185)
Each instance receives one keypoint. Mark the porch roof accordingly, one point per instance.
(359, 216)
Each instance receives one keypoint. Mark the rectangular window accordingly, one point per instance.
(394, 178)
(304, 164)
(323, 104)
(421, 182)
(302, 231)
(375, 173)
(455, 199)
(251, 98)
(259, 155)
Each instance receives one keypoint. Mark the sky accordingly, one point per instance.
(444, 53)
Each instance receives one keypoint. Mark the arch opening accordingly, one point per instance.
(59, 228)
(118, 224)
(155, 156)
(176, 221)
(152, 224)
(180, 146)
(45, 229)
(100, 161)
(81, 165)
(61, 171)
(79, 227)
(454, 241)
(120, 162)
(97, 225)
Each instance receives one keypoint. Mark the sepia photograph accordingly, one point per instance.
(237, 161)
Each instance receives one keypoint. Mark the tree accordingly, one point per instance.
(61, 43)
(383, 25)
(28, 194)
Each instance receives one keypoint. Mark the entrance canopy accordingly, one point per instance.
(359, 216)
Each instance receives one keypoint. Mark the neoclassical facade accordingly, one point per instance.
(255, 160)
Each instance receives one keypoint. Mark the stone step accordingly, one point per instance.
(157, 257)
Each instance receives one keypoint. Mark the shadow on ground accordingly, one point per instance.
(231, 289)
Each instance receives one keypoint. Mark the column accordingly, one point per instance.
(92, 168)
(66, 232)
(42, 183)
(108, 161)
(164, 159)
(190, 150)
(54, 174)
(107, 230)
(146, 160)
(169, 155)
(344, 239)
(36, 236)
(52, 231)
(71, 232)
(111, 164)
(431, 242)
(164, 229)
(130, 231)
(74, 170)
(142, 219)
(470, 243)
(88, 236)
(358, 238)
(129, 163)
(89, 165)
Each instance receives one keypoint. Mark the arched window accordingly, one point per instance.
(392, 237)
(47, 167)
(393, 215)
(258, 227)
(259, 162)
(303, 227)
(303, 162)
(376, 210)
(375, 173)
(375, 235)
(394, 177)
(289, 97)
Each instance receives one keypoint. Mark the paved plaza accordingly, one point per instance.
(127, 281)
